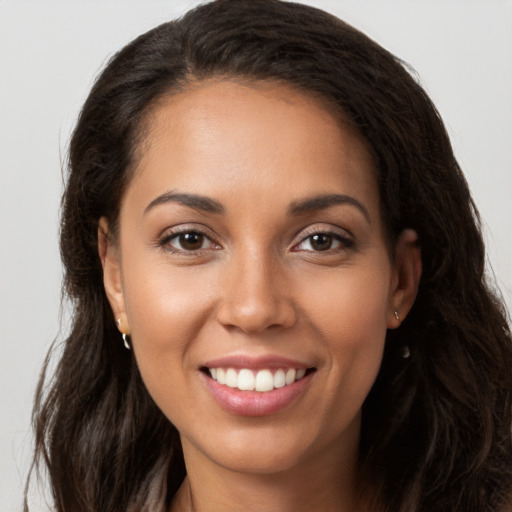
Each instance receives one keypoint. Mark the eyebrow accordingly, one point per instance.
(324, 201)
(194, 201)
(309, 204)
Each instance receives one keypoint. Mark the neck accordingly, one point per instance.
(322, 484)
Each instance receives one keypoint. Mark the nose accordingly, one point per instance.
(255, 296)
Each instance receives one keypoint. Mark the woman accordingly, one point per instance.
(278, 280)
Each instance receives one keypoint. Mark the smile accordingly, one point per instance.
(262, 381)
(256, 388)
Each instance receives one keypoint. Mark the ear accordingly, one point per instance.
(406, 278)
(112, 275)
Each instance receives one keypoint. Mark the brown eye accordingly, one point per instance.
(321, 242)
(189, 241)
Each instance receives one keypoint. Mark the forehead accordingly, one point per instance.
(220, 138)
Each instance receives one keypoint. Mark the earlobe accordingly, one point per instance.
(112, 274)
(406, 278)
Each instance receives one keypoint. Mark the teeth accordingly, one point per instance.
(300, 374)
(221, 376)
(264, 381)
(246, 380)
(261, 380)
(231, 378)
(290, 376)
(279, 379)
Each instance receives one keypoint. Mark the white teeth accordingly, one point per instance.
(221, 377)
(231, 378)
(290, 376)
(252, 380)
(264, 381)
(300, 374)
(246, 380)
(279, 379)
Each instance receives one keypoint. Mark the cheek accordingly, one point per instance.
(164, 302)
(167, 310)
(350, 304)
(349, 314)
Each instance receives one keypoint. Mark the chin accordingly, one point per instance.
(277, 448)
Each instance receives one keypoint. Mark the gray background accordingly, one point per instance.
(51, 50)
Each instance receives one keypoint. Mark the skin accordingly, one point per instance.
(257, 285)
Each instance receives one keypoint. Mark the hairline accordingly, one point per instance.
(191, 82)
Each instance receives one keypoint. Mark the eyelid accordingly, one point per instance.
(175, 231)
(340, 234)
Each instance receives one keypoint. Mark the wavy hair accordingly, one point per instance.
(436, 429)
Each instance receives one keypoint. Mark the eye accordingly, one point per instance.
(188, 241)
(321, 242)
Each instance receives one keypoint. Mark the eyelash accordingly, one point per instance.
(345, 241)
(165, 241)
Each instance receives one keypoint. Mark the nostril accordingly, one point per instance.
(256, 317)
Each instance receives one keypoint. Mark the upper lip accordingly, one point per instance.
(246, 361)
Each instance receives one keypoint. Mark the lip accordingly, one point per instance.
(255, 403)
(255, 363)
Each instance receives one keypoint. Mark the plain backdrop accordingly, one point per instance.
(50, 51)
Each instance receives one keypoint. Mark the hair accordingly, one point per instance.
(436, 428)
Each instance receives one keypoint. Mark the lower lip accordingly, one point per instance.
(255, 403)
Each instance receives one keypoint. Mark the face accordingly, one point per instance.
(253, 275)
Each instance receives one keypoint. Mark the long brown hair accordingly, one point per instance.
(436, 432)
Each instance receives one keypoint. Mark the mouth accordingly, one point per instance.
(256, 388)
(262, 380)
